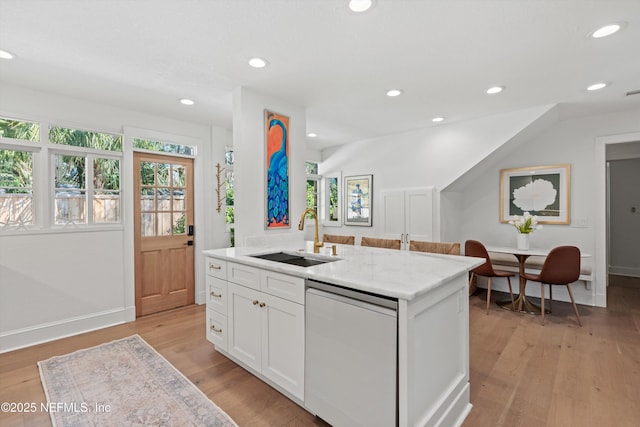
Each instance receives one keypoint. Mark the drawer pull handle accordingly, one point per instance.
(213, 328)
(214, 267)
(262, 304)
(255, 302)
(213, 294)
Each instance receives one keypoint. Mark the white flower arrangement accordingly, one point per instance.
(526, 224)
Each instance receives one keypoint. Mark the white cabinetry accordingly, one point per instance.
(409, 215)
(265, 322)
(216, 289)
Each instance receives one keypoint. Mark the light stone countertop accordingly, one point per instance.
(393, 273)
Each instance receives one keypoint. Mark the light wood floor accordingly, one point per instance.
(522, 373)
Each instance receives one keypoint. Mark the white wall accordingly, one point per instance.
(250, 173)
(434, 156)
(574, 141)
(54, 284)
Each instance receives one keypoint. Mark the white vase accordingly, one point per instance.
(523, 242)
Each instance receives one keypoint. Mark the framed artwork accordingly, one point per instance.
(358, 194)
(540, 190)
(332, 200)
(276, 129)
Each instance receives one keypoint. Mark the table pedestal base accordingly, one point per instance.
(522, 305)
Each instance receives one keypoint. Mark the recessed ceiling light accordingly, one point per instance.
(394, 92)
(597, 86)
(437, 119)
(607, 30)
(360, 5)
(495, 89)
(258, 62)
(6, 55)
(312, 135)
(187, 101)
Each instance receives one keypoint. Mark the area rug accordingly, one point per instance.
(123, 383)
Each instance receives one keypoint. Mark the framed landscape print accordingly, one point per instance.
(540, 190)
(358, 193)
(277, 167)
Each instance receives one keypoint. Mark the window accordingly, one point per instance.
(16, 172)
(163, 147)
(86, 139)
(82, 178)
(313, 181)
(229, 209)
(18, 129)
(86, 183)
(16, 188)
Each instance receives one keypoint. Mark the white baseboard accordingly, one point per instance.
(20, 338)
(624, 271)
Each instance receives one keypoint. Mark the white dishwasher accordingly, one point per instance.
(350, 356)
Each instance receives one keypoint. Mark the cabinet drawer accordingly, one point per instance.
(217, 268)
(217, 329)
(282, 285)
(217, 295)
(243, 275)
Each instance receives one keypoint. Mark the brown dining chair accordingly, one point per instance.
(333, 238)
(476, 249)
(435, 247)
(380, 243)
(561, 267)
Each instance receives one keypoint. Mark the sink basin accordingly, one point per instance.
(293, 259)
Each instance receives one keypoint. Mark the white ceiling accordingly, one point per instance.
(146, 54)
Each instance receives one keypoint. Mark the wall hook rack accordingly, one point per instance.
(219, 171)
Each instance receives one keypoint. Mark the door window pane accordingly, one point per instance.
(148, 225)
(179, 177)
(163, 174)
(164, 224)
(147, 173)
(179, 223)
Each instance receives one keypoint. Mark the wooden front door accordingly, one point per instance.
(163, 230)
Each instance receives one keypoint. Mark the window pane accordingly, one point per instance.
(17, 129)
(228, 156)
(312, 168)
(148, 226)
(333, 199)
(70, 195)
(70, 206)
(163, 174)
(106, 186)
(179, 223)
(164, 199)
(82, 138)
(106, 207)
(179, 199)
(164, 224)
(16, 191)
(312, 195)
(148, 144)
(147, 199)
(147, 173)
(179, 178)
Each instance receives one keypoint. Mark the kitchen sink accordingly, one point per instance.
(293, 259)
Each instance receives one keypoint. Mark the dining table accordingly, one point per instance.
(522, 303)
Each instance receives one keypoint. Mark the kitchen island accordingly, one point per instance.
(256, 316)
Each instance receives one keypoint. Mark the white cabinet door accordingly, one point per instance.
(244, 318)
(419, 214)
(283, 343)
(409, 215)
(393, 214)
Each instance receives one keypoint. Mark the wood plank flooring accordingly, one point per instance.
(522, 373)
